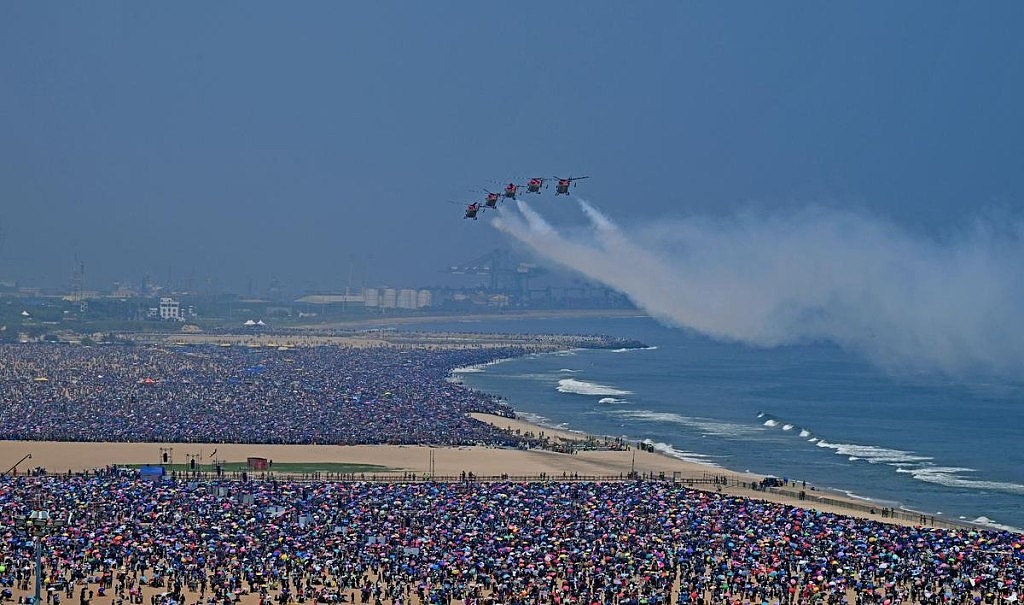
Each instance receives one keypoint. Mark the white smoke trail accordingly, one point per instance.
(817, 274)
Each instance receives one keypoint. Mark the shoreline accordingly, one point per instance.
(485, 463)
(845, 501)
(739, 483)
(617, 463)
(434, 340)
(474, 317)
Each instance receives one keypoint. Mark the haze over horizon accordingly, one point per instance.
(234, 144)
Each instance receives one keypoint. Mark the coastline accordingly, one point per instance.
(419, 462)
(845, 500)
(737, 483)
(448, 462)
(399, 320)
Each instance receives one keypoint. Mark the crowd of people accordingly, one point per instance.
(310, 395)
(116, 536)
(653, 542)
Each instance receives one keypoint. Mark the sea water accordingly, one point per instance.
(952, 447)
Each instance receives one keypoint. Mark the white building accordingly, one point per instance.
(390, 298)
(406, 299)
(170, 309)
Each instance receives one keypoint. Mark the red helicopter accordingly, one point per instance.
(510, 190)
(472, 210)
(562, 187)
(492, 199)
(533, 185)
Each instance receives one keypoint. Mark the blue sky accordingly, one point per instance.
(238, 141)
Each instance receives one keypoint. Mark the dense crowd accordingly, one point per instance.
(321, 395)
(513, 543)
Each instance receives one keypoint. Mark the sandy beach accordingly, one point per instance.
(486, 463)
(364, 333)
(569, 456)
(400, 320)
(566, 456)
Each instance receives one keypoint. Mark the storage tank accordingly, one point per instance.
(371, 297)
(390, 299)
(423, 299)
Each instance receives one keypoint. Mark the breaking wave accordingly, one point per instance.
(918, 466)
(772, 422)
(704, 426)
(581, 387)
(873, 453)
(667, 449)
(990, 523)
(952, 476)
(468, 370)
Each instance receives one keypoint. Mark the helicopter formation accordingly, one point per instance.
(533, 185)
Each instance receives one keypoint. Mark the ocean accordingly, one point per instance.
(938, 445)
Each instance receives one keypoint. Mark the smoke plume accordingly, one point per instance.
(906, 302)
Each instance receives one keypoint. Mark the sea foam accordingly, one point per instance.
(873, 453)
(582, 387)
(666, 448)
(468, 370)
(952, 476)
(705, 426)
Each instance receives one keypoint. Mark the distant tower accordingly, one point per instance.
(78, 282)
(276, 290)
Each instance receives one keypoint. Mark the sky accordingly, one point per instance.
(231, 143)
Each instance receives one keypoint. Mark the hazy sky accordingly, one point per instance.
(236, 141)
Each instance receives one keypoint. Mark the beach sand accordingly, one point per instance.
(485, 462)
(442, 463)
(448, 463)
(369, 338)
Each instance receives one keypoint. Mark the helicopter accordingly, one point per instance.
(492, 199)
(533, 185)
(472, 210)
(562, 188)
(510, 190)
